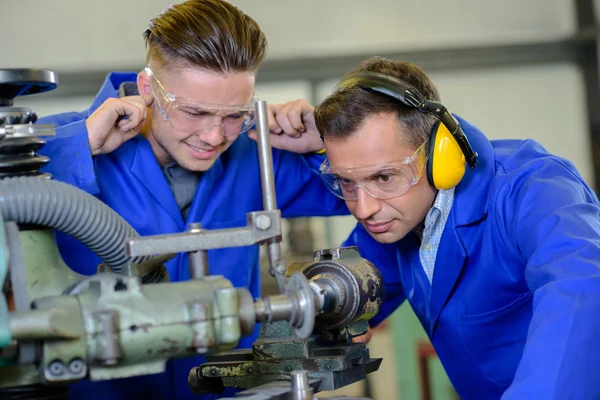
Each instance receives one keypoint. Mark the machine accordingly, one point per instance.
(57, 327)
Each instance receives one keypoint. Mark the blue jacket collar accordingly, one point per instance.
(474, 188)
(471, 200)
(110, 87)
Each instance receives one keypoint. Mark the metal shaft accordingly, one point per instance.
(301, 390)
(267, 179)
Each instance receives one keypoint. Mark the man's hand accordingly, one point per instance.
(292, 127)
(366, 338)
(108, 128)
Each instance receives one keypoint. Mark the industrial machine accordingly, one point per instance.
(57, 327)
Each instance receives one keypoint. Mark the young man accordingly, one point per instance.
(167, 147)
(502, 267)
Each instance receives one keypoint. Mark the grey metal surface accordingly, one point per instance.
(297, 307)
(303, 317)
(206, 239)
(26, 130)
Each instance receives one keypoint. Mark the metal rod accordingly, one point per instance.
(267, 179)
(51, 323)
(197, 260)
(301, 390)
(206, 239)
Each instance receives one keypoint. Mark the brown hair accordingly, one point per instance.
(210, 34)
(341, 114)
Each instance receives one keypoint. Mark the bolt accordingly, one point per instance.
(213, 371)
(288, 368)
(56, 368)
(262, 222)
(195, 227)
(250, 370)
(76, 366)
(327, 366)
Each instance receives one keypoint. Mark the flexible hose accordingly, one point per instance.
(57, 205)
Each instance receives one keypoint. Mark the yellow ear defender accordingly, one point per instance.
(446, 161)
(449, 148)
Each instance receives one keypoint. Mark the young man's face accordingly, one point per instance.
(204, 120)
(379, 141)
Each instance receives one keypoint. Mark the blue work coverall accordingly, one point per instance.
(513, 310)
(131, 182)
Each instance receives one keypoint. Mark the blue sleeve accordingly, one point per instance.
(554, 218)
(69, 152)
(300, 191)
(384, 257)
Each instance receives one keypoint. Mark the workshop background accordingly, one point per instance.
(515, 68)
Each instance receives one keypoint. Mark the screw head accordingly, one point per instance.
(56, 368)
(262, 222)
(76, 366)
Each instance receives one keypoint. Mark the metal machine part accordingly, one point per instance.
(19, 137)
(109, 326)
(348, 291)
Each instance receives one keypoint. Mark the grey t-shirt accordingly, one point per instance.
(183, 183)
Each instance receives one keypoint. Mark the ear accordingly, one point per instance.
(145, 88)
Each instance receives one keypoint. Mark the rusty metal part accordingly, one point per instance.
(349, 288)
(276, 355)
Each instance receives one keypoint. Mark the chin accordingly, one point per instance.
(393, 234)
(195, 164)
(200, 165)
(386, 237)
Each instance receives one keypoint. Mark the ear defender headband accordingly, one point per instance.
(449, 148)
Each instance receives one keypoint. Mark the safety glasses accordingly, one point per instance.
(383, 181)
(192, 116)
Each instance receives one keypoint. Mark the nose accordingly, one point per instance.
(214, 136)
(366, 205)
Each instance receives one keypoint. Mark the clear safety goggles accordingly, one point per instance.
(192, 116)
(383, 181)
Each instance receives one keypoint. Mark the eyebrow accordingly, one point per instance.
(383, 171)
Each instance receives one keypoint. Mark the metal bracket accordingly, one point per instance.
(261, 226)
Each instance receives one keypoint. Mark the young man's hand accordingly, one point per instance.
(114, 122)
(292, 127)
